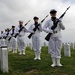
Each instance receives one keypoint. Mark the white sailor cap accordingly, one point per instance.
(20, 21)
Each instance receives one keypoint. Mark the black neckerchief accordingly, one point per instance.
(36, 23)
(12, 31)
(55, 22)
(7, 33)
(21, 27)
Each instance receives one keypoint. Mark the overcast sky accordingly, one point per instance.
(11, 11)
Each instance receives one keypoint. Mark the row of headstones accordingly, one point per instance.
(30, 45)
(72, 45)
(4, 54)
(68, 47)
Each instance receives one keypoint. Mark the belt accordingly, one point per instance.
(20, 36)
(55, 32)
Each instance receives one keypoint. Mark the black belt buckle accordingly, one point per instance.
(55, 32)
(19, 35)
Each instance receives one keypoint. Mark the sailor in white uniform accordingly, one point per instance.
(36, 38)
(21, 37)
(55, 42)
(13, 40)
(6, 36)
(2, 40)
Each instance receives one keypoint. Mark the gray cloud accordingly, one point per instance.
(13, 10)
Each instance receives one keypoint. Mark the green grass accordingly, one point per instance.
(25, 65)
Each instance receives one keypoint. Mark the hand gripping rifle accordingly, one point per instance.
(5, 37)
(37, 27)
(19, 31)
(0, 37)
(10, 37)
(53, 27)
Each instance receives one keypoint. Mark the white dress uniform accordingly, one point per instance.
(55, 42)
(21, 40)
(2, 41)
(36, 41)
(13, 41)
(6, 40)
(4, 35)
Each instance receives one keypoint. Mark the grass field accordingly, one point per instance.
(25, 65)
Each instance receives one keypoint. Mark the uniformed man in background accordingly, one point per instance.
(12, 39)
(21, 30)
(6, 36)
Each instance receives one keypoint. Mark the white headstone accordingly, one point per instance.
(67, 51)
(0, 57)
(27, 45)
(62, 45)
(72, 45)
(4, 59)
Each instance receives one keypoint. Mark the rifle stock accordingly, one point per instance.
(30, 35)
(33, 30)
(48, 37)
(16, 35)
(0, 37)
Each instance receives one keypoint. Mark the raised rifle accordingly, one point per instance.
(21, 29)
(37, 27)
(10, 37)
(53, 27)
(5, 37)
(0, 37)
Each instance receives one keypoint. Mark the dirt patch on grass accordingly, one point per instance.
(32, 72)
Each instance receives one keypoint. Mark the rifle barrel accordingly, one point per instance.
(27, 22)
(44, 18)
(64, 13)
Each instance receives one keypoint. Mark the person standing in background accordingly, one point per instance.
(13, 40)
(21, 30)
(36, 38)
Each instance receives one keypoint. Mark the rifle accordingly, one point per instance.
(21, 29)
(10, 37)
(53, 27)
(0, 37)
(37, 27)
(5, 37)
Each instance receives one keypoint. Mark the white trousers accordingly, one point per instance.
(36, 43)
(13, 43)
(21, 43)
(55, 45)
